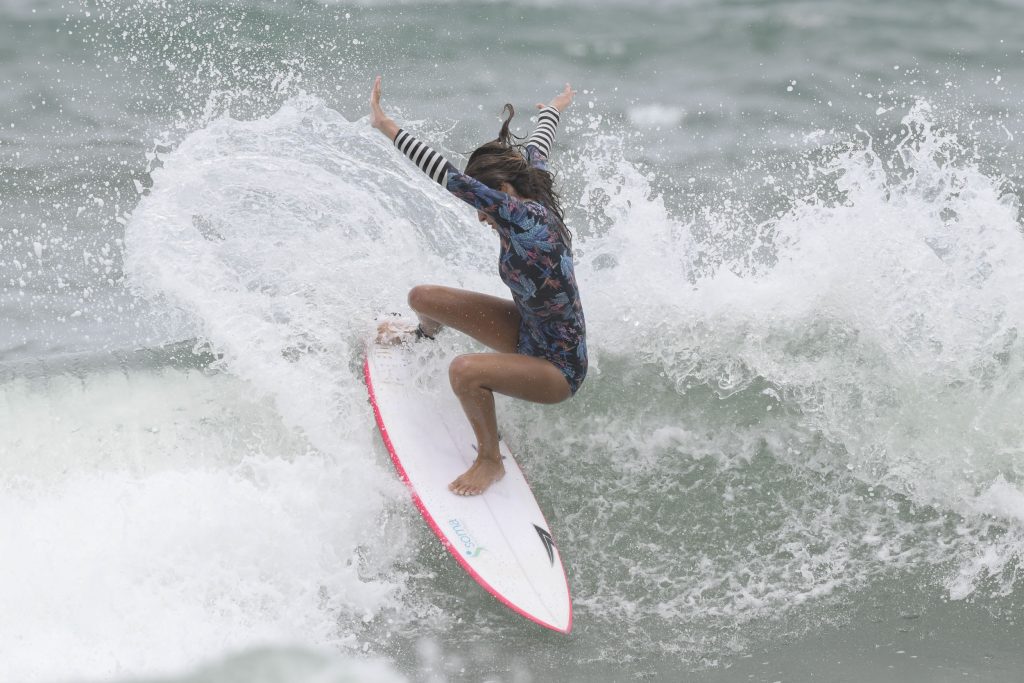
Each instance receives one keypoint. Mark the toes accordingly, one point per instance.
(461, 489)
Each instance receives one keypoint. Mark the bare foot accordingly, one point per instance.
(481, 474)
(394, 332)
(400, 331)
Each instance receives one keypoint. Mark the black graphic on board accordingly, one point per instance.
(549, 543)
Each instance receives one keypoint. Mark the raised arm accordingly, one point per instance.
(494, 203)
(429, 161)
(506, 210)
(538, 145)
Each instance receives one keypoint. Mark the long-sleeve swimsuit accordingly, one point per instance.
(534, 260)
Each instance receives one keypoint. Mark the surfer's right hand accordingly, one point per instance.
(378, 119)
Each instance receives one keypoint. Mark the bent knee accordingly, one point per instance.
(422, 297)
(463, 373)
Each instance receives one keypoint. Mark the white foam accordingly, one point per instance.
(152, 521)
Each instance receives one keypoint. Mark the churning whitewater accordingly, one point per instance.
(804, 316)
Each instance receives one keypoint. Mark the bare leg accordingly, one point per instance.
(492, 321)
(474, 378)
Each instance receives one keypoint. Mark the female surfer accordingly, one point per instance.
(539, 336)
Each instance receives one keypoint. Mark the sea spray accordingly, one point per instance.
(889, 318)
(752, 459)
(808, 397)
(865, 340)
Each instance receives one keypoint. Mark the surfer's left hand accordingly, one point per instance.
(562, 100)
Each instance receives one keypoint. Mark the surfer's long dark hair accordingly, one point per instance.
(502, 161)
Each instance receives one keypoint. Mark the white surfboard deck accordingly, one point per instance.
(500, 537)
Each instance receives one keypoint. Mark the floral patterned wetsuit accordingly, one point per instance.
(535, 262)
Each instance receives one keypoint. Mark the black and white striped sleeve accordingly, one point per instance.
(429, 161)
(544, 134)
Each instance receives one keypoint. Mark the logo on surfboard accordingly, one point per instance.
(469, 546)
(549, 543)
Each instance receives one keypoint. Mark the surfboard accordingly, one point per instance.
(500, 537)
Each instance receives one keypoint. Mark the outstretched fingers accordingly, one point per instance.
(562, 100)
(375, 93)
(378, 119)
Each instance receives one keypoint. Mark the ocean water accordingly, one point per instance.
(798, 454)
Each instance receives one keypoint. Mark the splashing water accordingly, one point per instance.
(850, 377)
